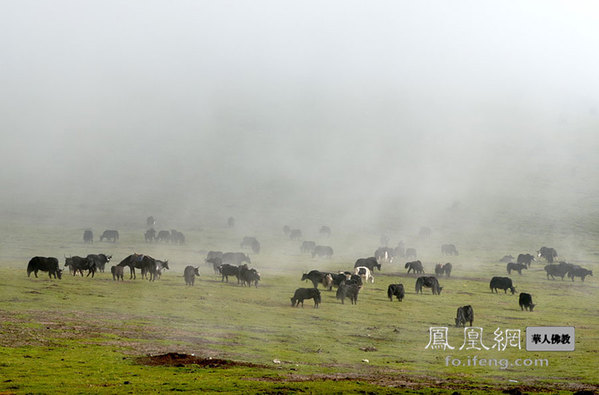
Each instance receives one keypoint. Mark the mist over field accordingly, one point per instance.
(478, 120)
(362, 116)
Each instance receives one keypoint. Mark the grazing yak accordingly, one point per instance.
(145, 263)
(295, 234)
(463, 315)
(117, 273)
(110, 235)
(327, 282)
(548, 253)
(325, 230)
(248, 276)
(447, 269)
(525, 259)
(44, 264)
(504, 283)
(396, 290)
(443, 269)
(365, 273)
(416, 266)
(370, 263)
(150, 235)
(79, 264)
(100, 260)
(227, 270)
(449, 249)
(560, 270)
(164, 235)
(354, 279)
(516, 266)
(428, 282)
(318, 277)
(302, 294)
(307, 247)
(216, 263)
(384, 254)
(190, 274)
(340, 277)
(177, 237)
(348, 291)
(525, 301)
(578, 271)
(88, 236)
(322, 251)
(216, 258)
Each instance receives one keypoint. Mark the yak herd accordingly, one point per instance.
(150, 268)
(348, 283)
(173, 236)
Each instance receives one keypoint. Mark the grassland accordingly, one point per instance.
(84, 335)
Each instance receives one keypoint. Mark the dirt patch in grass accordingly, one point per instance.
(180, 360)
(421, 382)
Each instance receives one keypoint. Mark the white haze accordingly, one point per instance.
(339, 112)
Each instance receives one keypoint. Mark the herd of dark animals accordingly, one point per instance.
(443, 269)
(150, 268)
(173, 236)
(348, 283)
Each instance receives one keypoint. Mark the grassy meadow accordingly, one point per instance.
(89, 335)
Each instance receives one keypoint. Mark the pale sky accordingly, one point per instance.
(336, 100)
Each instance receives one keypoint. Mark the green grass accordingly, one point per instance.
(82, 335)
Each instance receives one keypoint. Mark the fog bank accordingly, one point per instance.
(345, 112)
